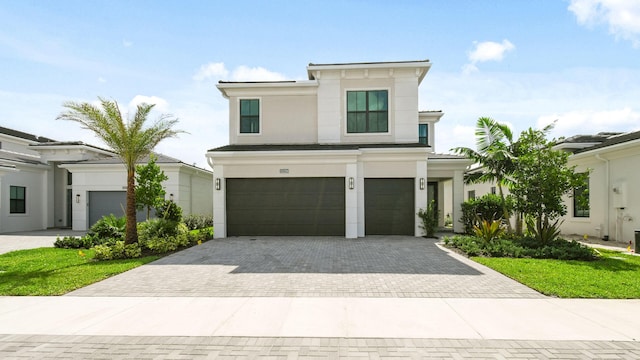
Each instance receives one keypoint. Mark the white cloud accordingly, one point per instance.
(211, 71)
(161, 104)
(127, 43)
(622, 17)
(585, 122)
(218, 71)
(486, 51)
(101, 79)
(490, 51)
(245, 73)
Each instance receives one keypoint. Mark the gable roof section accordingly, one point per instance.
(613, 140)
(24, 135)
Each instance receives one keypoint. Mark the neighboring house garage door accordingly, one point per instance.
(103, 203)
(389, 207)
(285, 206)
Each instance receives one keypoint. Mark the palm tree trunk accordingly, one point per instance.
(505, 212)
(132, 228)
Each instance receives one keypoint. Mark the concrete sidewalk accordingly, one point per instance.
(514, 319)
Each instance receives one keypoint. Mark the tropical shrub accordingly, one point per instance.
(429, 219)
(487, 207)
(488, 230)
(198, 221)
(169, 210)
(109, 227)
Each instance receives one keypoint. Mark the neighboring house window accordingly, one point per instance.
(69, 178)
(493, 190)
(17, 200)
(581, 201)
(423, 134)
(471, 194)
(367, 111)
(249, 116)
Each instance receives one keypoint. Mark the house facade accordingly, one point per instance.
(344, 153)
(613, 163)
(49, 184)
(611, 208)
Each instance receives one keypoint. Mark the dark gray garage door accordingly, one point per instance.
(389, 206)
(291, 206)
(103, 203)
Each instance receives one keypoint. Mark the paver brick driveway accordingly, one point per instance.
(375, 266)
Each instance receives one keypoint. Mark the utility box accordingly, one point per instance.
(637, 242)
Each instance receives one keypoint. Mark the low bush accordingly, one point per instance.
(521, 248)
(109, 228)
(160, 228)
(117, 250)
(198, 221)
(73, 242)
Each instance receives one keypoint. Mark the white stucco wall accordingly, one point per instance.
(34, 179)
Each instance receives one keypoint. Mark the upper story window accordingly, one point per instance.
(423, 134)
(249, 116)
(17, 200)
(367, 111)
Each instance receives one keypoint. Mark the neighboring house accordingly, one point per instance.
(613, 163)
(49, 184)
(613, 207)
(344, 153)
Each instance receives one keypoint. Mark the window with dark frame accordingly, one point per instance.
(17, 200)
(581, 201)
(471, 194)
(249, 116)
(367, 111)
(493, 190)
(423, 134)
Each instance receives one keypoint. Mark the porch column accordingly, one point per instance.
(219, 203)
(352, 188)
(458, 199)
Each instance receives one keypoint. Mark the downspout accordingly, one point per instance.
(607, 182)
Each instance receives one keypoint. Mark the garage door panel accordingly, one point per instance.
(285, 206)
(389, 206)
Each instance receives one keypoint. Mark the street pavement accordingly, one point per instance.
(411, 299)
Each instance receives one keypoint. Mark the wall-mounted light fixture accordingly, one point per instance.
(77, 198)
(217, 183)
(351, 183)
(171, 197)
(421, 183)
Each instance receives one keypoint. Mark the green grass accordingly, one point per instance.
(52, 271)
(614, 276)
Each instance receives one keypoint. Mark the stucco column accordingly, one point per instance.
(458, 199)
(351, 201)
(360, 197)
(219, 203)
(421, 195)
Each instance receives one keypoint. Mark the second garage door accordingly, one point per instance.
(286, 206)
(389, 207)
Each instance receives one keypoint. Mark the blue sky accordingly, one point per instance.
(525, 63)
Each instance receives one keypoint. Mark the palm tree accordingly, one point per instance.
(127, 139)
(495, 155)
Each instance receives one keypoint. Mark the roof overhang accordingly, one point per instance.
(421, 67)
(298, 87)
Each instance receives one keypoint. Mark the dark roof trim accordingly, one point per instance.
(615, 140)
(315, 147)
(24, 135)
(258, 82)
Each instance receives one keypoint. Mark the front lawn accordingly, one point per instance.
(53, 271)
(613, 276)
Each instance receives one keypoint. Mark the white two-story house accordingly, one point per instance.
(344, 153)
